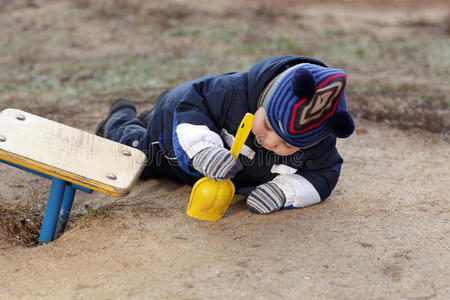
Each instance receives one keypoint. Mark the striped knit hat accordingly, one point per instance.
(306, 103)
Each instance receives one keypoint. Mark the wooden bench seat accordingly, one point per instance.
(74, 157)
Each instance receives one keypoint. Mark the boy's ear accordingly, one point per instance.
(341, 124)
(303, 83)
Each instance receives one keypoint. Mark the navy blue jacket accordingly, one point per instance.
(220, 102)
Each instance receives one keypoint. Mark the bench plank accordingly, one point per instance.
(68, 153)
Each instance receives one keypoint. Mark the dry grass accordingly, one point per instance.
(20, 224)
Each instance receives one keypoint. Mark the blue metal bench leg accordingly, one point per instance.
(52, 210)
(69, 194)
(59, 204)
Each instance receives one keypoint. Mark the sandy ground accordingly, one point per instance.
(383, 234)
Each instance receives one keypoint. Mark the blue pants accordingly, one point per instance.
(124, 127)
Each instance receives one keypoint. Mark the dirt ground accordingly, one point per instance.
(383, 234)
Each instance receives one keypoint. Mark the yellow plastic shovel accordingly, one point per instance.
(209, 198)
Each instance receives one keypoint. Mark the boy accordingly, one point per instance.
(289, 159)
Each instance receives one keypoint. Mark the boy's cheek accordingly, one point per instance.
(285, 152)
(257, 130)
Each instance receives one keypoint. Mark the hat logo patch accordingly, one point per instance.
(319, 108)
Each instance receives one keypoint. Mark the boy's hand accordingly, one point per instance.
(266, 198)
(216, 163)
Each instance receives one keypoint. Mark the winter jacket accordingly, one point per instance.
(207, 112)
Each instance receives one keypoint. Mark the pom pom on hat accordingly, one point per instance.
(303, 83)
(341, 124)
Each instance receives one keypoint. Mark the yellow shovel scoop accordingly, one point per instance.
(209, 198)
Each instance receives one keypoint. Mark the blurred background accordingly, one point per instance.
(383, 234)
(67, 60)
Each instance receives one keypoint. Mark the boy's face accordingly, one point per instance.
(268, 138)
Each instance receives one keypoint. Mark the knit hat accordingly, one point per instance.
(306, 103)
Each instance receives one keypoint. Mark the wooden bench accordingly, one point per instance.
(71, 158)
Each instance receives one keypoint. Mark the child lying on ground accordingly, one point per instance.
(289, 160)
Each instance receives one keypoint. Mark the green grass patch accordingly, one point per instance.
(99, 213)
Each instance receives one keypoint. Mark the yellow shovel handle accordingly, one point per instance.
(242, 134)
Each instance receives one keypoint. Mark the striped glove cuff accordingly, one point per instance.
(266, 198)
(216, 163)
